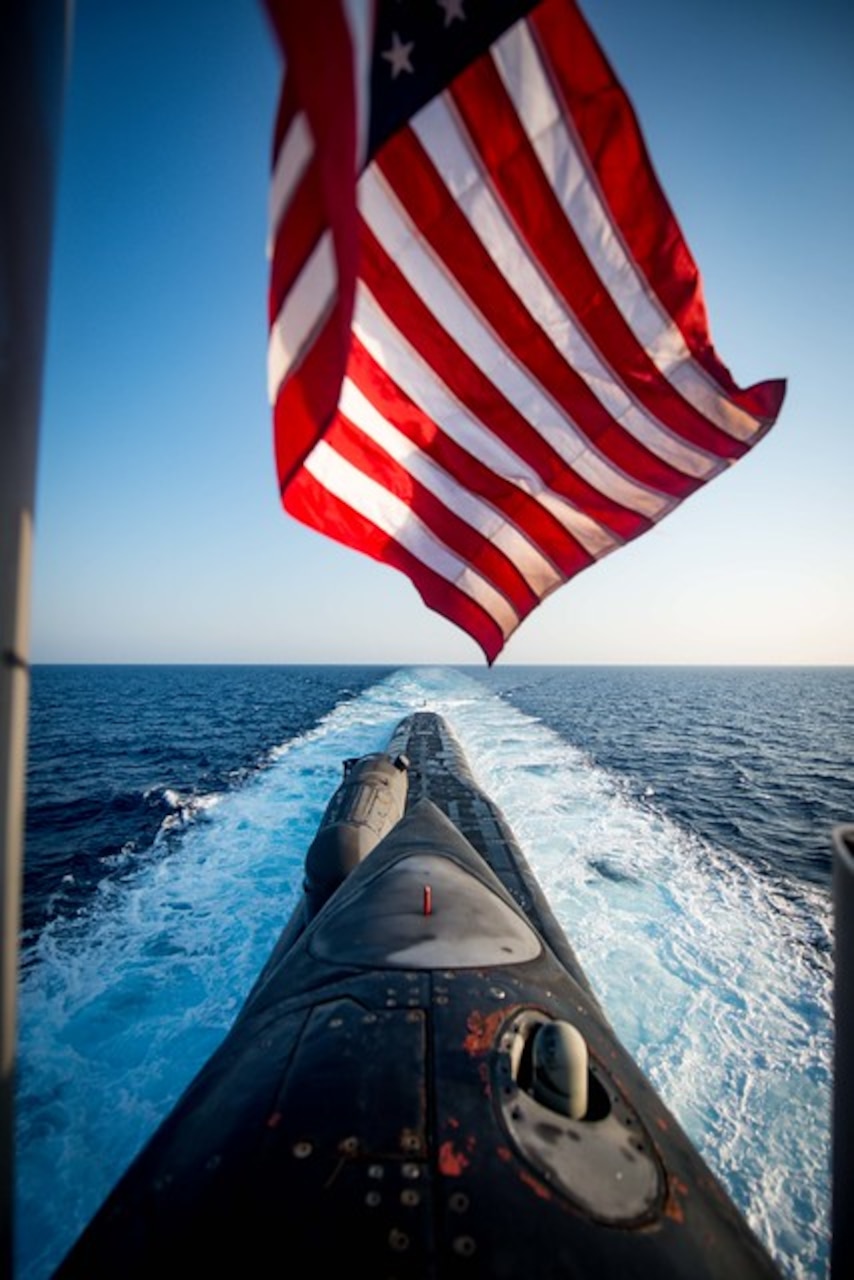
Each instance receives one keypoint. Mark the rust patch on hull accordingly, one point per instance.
(452, 1163)
(672, 1208)
(482, 1030)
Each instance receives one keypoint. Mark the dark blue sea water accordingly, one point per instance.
(679, 820)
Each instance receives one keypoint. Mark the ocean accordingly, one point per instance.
(678, 819)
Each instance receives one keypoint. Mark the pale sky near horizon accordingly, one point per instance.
(159, 534)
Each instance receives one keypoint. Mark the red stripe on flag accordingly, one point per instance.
(479, 395)
(515, 172)
(517, 507)
(303, 226)
(303, 401)
(317, 507)
(606, 123)
(352, 444)
(438, 219)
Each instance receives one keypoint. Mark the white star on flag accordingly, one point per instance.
(398, 56)
(452, 9)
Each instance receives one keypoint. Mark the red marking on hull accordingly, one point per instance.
(537, 1187)
(482, 1030)
(673, 1209)
(452, 1163)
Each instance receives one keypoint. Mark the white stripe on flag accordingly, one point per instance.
(441, 136)
(518, 62)
(359, 16)
(292, 160)
(304, 308)
(395, 356)
(395, 518)
(537, 571)
(441, 295)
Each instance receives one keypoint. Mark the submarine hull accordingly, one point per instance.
(392, 1094)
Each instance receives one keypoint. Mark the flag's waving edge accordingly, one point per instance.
(489, 359)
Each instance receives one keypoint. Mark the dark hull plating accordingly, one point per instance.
(373, 1105)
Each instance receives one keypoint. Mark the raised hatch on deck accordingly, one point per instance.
(428, 903)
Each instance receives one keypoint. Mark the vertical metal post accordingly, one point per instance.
(33, 55)
(842, 1243)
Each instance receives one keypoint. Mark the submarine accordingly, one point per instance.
(421, 1081)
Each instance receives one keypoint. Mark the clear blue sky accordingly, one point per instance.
(159, 532)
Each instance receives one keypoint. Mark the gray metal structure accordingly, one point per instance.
(33, 54)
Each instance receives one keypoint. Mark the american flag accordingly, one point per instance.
(489, 353)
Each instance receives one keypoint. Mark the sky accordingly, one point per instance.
(159, 532)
